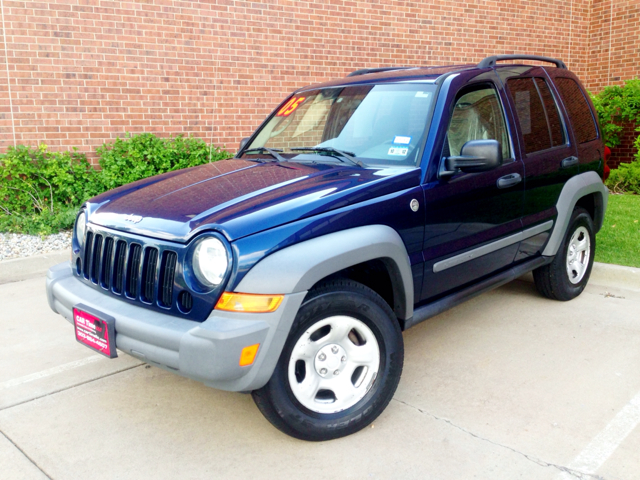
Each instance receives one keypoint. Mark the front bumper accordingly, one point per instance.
(207, 351)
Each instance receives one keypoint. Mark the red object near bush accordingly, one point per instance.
(607, 170)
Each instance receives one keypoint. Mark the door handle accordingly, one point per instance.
(509, 180)
(569, 162)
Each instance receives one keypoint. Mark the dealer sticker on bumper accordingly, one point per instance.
(95, 330)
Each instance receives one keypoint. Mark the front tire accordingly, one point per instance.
(567, 275)
(340, 365)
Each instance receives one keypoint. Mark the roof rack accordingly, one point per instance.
(364, 71)
(491, 61)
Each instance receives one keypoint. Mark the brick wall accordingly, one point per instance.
(626, 151)
(614, 56)
(82, 72)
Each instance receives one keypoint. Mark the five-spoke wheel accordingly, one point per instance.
(567, 275)
(334, 364)
(340, 366)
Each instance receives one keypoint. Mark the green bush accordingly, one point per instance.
(41, 191)
(625, 178)
(615, 105)
(140, 156)
(37, 185)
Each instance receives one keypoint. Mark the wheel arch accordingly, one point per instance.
(585, 190)
(301, 266)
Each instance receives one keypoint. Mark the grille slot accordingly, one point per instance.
(118, 270)
(149, 274)
(88, 246)
(133, 270)
(95, 261)
(105, 271)
(186, 301)
(167, 275)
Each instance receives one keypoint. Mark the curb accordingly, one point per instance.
(615, 276)
(607, 275)
(18, 269)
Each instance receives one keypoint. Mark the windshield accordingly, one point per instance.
(379, 124)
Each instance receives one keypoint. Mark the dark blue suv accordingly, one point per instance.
(358, 209)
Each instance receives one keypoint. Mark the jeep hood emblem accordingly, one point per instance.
(132, 218)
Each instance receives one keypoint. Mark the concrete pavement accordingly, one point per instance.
(508, 385)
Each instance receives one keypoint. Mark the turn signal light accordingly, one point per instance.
(248, 354)
(248, 302)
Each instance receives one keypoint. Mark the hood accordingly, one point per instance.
(239, 197)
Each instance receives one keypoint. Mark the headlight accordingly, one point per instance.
(210, 261)
(81, 227)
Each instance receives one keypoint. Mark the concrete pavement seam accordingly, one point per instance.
(26, 456)
(542, 463)
(71, 386)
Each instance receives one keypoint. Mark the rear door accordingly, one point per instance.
(549, 154)
(470, 219)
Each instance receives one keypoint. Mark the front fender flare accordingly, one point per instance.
(299, 267)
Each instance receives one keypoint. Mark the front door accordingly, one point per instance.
(471, 218)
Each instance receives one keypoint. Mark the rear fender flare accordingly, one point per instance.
(577, 187)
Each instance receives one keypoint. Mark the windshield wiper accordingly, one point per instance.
(334, 152)
(274, 152)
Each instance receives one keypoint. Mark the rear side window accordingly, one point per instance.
(537, 114)
(578, 109)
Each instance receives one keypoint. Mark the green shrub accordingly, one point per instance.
(625, 178)
(140, 156)
(44, 223)
(615, 105)
(36, 185)
(41, 191)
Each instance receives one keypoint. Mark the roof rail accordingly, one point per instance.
(364, 71)
(491, 61)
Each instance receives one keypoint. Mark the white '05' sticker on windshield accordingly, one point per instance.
(398, 151)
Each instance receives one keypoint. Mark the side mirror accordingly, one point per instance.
(243, 142)
(476, 156)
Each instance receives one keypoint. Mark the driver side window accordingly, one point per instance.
(477, 115)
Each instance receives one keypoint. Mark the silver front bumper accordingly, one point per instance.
(207, 351)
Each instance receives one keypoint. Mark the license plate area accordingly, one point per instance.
(95, 330)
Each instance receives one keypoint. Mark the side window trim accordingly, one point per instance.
(560, 115)
(562, 111)
(546, 114)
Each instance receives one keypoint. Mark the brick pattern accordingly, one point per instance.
(626, 151)
(82, 72)
(614, 56)
(614, 49)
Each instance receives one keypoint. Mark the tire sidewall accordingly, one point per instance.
(311, 425)
(580, 218)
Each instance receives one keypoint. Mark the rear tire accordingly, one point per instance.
(340, 365)
(567, 275)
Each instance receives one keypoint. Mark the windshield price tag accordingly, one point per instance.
(289, 107)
